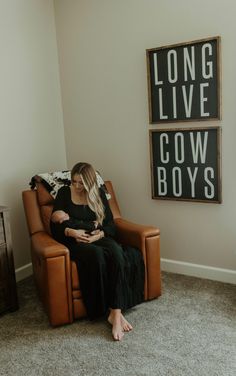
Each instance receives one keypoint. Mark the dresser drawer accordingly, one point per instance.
(4, 303)
(4, 268)
(8, 295)
(8, 291)
(2, 233)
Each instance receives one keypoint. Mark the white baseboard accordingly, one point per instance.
(23, 272)
(201, 271)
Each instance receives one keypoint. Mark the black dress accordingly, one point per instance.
(111, 275)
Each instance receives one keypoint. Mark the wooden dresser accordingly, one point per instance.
(8, 292)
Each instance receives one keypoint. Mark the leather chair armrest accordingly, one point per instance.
(134, 234)
(147, 239)
(52, 273)
(45, 246)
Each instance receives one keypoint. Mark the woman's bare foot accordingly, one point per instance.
(115, 320)
(127, 327)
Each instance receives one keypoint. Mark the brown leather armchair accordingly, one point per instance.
(56, 275)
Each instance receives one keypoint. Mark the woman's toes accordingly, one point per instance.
(125, 324)
(117, 335)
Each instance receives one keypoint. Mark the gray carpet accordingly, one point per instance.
(190, 330)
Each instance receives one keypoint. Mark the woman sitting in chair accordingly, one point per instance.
(111, 275)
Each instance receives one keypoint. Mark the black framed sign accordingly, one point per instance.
(184, 81)
(186, 164)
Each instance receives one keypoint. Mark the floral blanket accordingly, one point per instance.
(53, 181)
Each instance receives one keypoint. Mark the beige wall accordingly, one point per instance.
(31, 125)
(103, 77)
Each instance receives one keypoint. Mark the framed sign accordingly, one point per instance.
(184, 81)
(186, 164)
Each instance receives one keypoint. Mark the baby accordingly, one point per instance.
(59, 216)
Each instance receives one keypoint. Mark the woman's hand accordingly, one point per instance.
(78, 235)
(95, 236)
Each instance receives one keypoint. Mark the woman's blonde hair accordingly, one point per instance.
(89, 179)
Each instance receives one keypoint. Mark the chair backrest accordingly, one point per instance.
(38, 205)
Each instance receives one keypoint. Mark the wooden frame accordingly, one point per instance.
(184, 81)
(186, 164)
